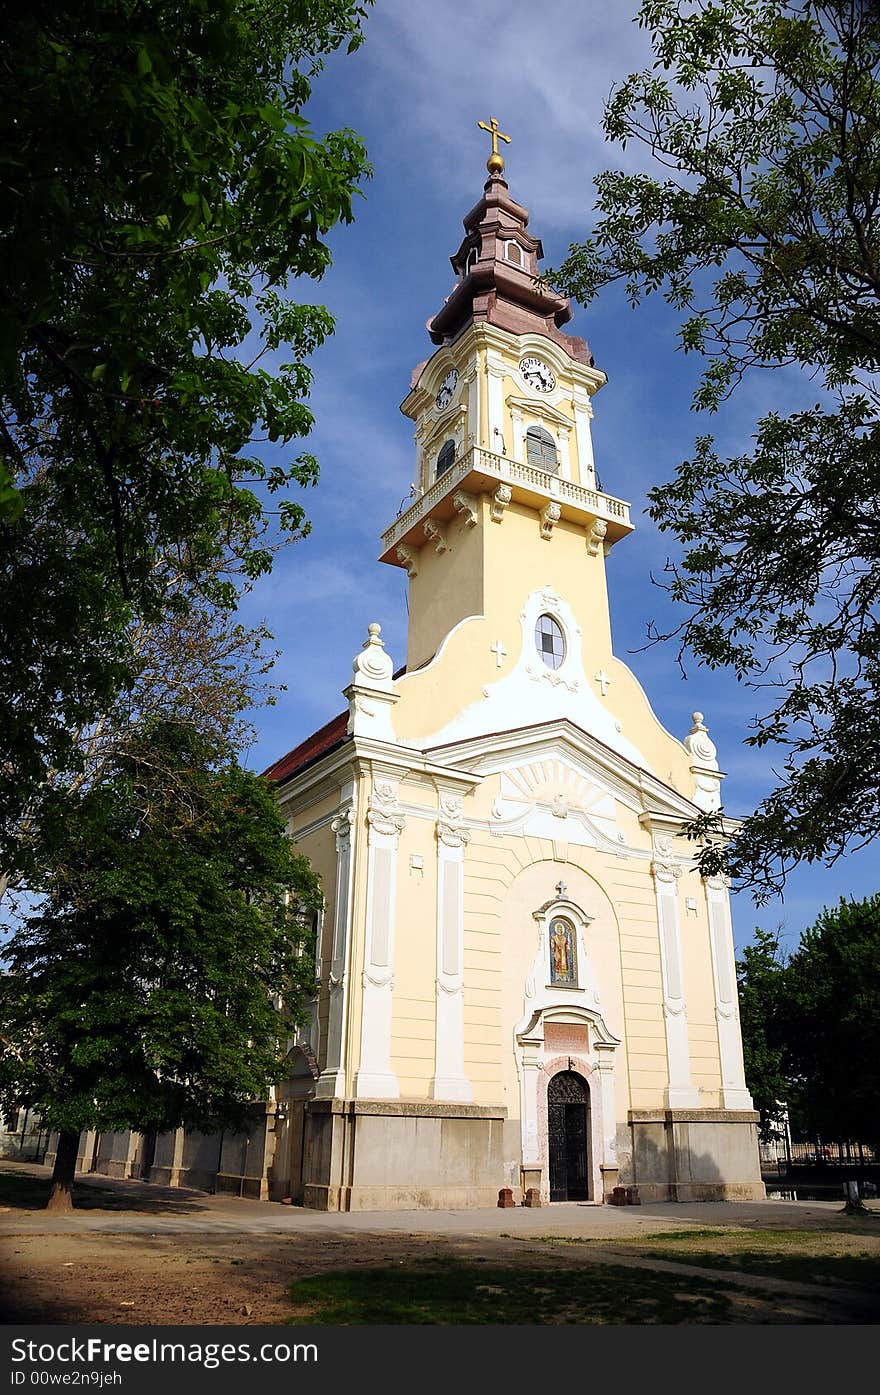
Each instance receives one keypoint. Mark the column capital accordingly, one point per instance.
(384, 818)
(668, 872)
(342, 826)
(450, 828)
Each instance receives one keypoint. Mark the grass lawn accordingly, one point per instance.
(466, 1294)
(799, 1255)
(802, 1256)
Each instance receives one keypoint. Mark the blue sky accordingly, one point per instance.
(429, 70)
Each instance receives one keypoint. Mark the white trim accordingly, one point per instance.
(450, 1080)
(532, 693)
(632, 784)
(545, 1003)
(331, 1082)
(375, 1078)
(680, 1092)
(734, 1092)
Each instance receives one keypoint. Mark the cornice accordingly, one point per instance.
(478, 471)
(636, 787)
(539, 406)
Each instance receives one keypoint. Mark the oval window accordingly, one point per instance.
(550, 641)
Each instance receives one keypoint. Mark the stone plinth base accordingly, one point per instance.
(696, 1154)
(609, 1179)
(377, 1155)
(234, 1185)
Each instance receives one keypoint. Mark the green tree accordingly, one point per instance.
(175, 918)
(832, 992)
(761, 228)
(811, 1024)
(760, 975)
(160, 192)
(193, 664)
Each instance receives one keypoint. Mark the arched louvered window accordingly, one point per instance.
(541, 449)
(446, 457)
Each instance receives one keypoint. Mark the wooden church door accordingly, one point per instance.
(567, 1118)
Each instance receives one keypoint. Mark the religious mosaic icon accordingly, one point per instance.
(550, 641)
(447, 388)
(538, 375)
(563, 957)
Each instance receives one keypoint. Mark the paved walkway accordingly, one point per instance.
(112, 1205)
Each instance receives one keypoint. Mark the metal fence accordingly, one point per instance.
(786, 1152)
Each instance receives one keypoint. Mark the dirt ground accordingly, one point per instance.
(200, 1266)
(241, 1280)
(181, 1279)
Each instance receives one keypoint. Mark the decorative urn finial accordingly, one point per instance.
(704, 768)
(699, 744)
(372, 665)
(370, 693)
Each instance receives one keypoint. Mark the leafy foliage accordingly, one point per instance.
(193, 665)
(143, 991)
(764, 233)
(833, 993)
(760, 984)
(811, 1024)
(160, 190)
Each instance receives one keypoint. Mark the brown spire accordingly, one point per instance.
(497, 272)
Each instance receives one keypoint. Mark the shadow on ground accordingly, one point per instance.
(21, 1191)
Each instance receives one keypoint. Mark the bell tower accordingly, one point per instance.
(505, 494)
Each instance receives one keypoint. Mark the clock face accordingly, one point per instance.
(537, 374)
(447, 388)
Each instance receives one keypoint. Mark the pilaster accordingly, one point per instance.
(583, 411)
(605, 1064)
(518, 429)
(375, 1078)
(450, 1081)
(734, 1093)
(494, 382)
(564, 456)
(331, 1082)
(680, 1093)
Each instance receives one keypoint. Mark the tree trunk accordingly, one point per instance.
(61, 1195)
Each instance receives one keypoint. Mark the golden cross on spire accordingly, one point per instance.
(495, 162)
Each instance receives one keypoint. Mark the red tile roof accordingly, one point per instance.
(318, 744)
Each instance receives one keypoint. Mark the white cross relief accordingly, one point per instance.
(603, 680)
(499, 651)
(561, 889)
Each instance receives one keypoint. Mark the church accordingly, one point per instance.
(524, 983)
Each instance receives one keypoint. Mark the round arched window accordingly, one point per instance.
(446, 457)
(541, 449)
(550, 641)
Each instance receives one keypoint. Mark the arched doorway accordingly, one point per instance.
(568, 1106)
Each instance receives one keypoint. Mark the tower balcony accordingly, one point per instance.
(480, 471)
